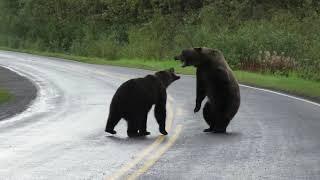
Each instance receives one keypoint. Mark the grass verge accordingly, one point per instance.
(291, 85)
(5, 96)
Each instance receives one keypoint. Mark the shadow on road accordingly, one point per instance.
(228, 134)
(230, 137)
(131, 140)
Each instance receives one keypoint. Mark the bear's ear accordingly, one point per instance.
(171, 70)
(198, 49)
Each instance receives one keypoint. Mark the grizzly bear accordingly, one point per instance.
(215, 81)
(134, 99)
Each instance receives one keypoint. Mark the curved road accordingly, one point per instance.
(61, 135)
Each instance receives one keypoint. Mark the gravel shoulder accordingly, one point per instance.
(22, 89)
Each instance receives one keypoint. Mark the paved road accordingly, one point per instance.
(61, 135)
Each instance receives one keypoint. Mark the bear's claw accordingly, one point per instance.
(164, 132)
(111, 131)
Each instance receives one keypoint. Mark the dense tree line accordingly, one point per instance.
(158, 28)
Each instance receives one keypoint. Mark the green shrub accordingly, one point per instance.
(242, 30)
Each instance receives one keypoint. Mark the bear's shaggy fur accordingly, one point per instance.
(134, 99)
(216, 81)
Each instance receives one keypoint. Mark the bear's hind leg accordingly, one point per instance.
(143, 125)
(221, 119)
(208, 115)
(132, 127)
(221, 125)
(215, 117)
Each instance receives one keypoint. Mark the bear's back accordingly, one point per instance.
(138, 92)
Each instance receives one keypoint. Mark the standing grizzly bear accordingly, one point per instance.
(134, 99)
(216, 81)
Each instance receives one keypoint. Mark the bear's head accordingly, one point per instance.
(194, 56)
(167, 76)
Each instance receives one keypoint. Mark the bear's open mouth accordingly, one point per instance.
(180, 58)
(184, 64)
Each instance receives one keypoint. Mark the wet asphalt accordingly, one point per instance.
(61, 136)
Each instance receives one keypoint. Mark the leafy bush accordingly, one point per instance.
(157, 30)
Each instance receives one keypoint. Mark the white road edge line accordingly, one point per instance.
(282, 94)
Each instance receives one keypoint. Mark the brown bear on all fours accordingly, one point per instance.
(134, 99)
(216, 81)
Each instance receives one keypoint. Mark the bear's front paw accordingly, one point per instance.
(164, 132)
(111, 131)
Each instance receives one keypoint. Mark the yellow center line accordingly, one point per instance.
(156, 156)
(124, 169)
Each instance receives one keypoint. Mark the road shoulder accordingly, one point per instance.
(22, 90)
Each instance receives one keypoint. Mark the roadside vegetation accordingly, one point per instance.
(5, 96)
(273, 44)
